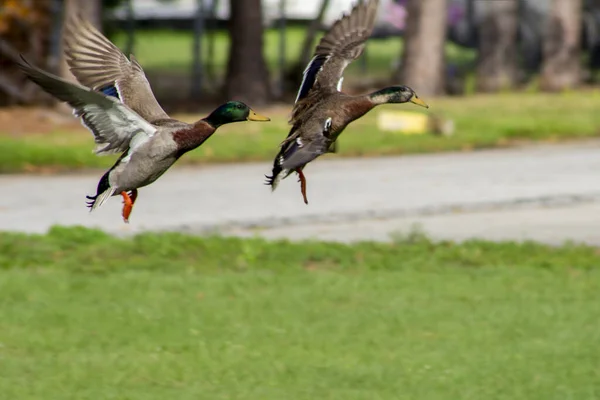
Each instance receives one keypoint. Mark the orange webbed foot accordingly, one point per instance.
(128, 201)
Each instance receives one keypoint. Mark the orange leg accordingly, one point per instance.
(128, 201)
(302, 184)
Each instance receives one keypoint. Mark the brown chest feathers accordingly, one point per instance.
(357, 107)
(189, 138)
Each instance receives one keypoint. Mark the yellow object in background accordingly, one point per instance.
(409, 123)
(413, 123)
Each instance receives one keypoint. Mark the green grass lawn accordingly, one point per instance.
(88, 316)
(481, 121)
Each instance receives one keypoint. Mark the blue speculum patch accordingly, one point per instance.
(110, 90)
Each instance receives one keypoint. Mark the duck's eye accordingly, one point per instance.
(239, 106)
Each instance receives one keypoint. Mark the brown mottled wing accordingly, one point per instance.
(99, 64)
(302, 154)
(302, 149)
(342, 44)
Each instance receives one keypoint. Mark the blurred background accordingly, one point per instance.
(203, 50)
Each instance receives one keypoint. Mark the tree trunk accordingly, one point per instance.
(561, 65)
(211, 26)
(423, 58)
(247, 74)
(91, 10)
(497, 63)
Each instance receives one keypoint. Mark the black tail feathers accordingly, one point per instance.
(276, 170)
(91, 201)
(103, 186)
(270, 179)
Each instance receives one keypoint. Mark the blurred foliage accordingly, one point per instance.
(108, 4)
(17, 11)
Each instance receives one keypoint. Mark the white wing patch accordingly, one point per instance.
(119, 89)
(339, 85)
(327, 125)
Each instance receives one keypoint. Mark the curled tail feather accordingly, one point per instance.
(99, 199)
(103, 193)
(278, 173)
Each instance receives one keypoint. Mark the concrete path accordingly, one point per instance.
(549, 193)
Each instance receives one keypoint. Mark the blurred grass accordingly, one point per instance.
(89, 316)
(481, 121)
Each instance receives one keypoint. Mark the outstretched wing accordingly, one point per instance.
(116, 128)
(99, 64)
(342, 44)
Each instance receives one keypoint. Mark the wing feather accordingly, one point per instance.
(112, 123)
(97, 63)
(342, 44)
(310, 75)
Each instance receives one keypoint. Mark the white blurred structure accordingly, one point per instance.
(185, 9)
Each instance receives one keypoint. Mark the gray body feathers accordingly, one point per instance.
(148, 150)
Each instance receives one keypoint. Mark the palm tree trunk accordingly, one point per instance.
(90, 10)
(497, 63)
(247, 74)
(561, 65)
(423, 60)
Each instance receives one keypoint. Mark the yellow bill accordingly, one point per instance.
(418, 101)
(257, 117)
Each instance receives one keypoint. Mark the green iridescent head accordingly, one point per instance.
(397, 94)
(233, 111)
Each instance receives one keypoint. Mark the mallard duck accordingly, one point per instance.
(321, 111)
(149, 148)
(98, 64)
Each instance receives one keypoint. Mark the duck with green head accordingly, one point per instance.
(322, 111)
(116, 104)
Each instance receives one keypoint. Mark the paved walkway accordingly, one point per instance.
(549, 193)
